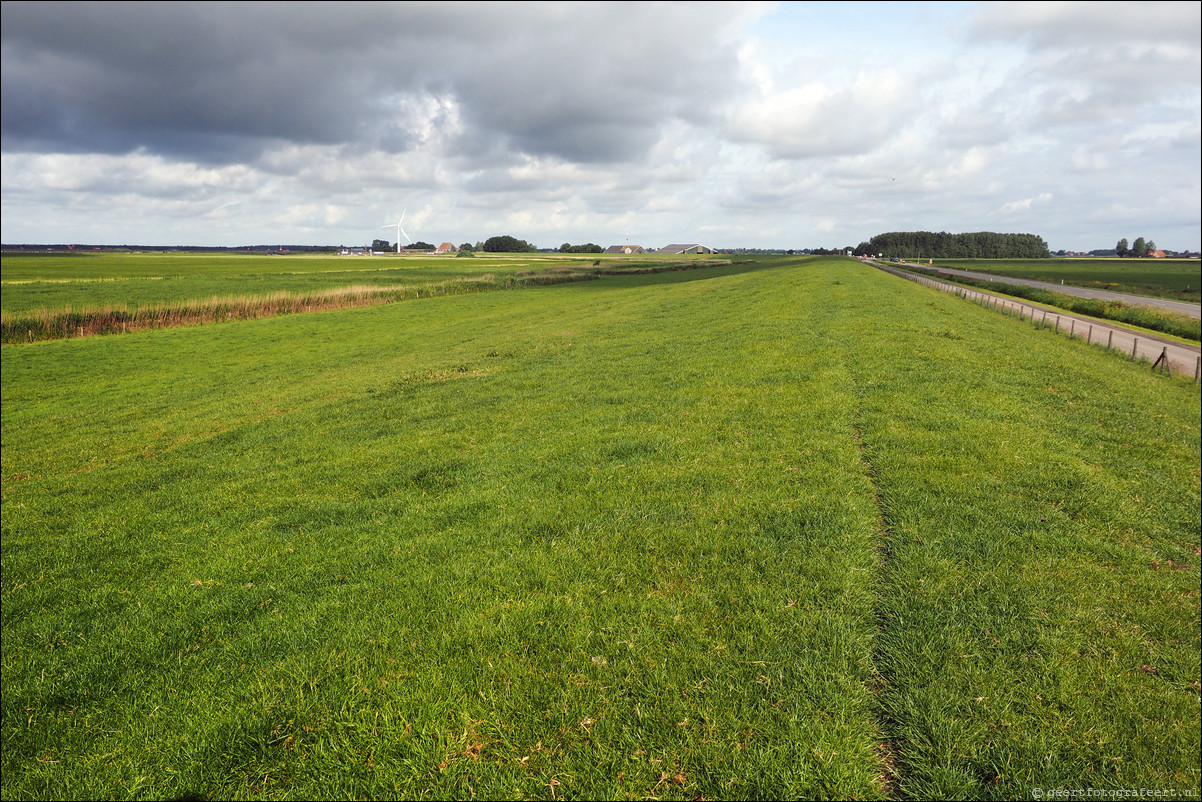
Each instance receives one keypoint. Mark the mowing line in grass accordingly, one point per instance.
(1031, 627)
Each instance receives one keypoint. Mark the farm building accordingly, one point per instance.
(625, 249)
(446, 247)
(681, 249)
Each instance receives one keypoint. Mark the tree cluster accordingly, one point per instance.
(1138, 249)
(588, 248)
(942, 245)
(507, 244)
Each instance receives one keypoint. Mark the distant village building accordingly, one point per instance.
(446, 247)
(683, 249)
(625, 249)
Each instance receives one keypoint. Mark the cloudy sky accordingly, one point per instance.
(731, 124)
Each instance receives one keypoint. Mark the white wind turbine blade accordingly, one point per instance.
(401, 230)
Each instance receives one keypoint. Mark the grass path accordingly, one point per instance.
(726, 534)
(1039, 608)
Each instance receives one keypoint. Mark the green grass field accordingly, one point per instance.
(1175, 279)
(86, 281)
(106, 280)
(1186, 328)
(789, 529)
(50, 297)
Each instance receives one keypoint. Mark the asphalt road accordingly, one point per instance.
(1182, 358)
(1194, 310)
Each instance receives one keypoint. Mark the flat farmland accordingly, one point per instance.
(793, 529)
(100, 281)
(57, 296)
(1174, 279)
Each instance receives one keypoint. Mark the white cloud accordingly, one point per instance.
(759, 124)
(1025, 204)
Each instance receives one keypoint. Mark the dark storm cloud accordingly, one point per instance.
(219, 82)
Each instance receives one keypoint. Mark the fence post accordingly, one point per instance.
(1134, 345)
(1197, 369)
(1089, 337)
(1109, 339)
(1162, 362)
(1072, 328)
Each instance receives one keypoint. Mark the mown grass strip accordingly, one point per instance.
(1040, 612)
(614, 539)
(581, 541)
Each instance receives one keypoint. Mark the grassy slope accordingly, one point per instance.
(1179, 326)
(1040, 606)
(1176, 279)
(610, 539)
(531, 538)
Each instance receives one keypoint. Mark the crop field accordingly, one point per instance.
(792, 528)
(1174, 279)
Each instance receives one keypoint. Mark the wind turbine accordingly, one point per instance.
(399, 230)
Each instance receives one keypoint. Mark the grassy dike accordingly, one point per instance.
(1039, 603)
(725, 533)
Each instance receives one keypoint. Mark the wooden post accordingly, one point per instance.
(1134, 345)
(1072, 328)
(1162, 362)
(1197, 369)
(1109, 339)
(1090, 336)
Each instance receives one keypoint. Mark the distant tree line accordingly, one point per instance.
(507, 244)
(385, 245)
(1138, 249)
(588, 248)
(942, 245)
